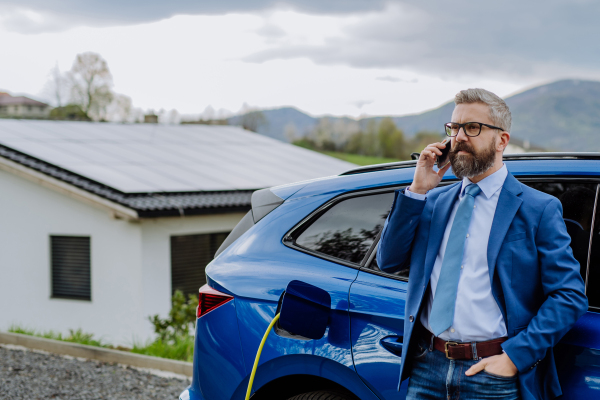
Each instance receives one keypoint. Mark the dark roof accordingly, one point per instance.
(154, 204)
(12, 100)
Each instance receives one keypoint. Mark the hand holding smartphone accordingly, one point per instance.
(443, 160)
(426, 176)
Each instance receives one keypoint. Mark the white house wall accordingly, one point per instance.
(31, 213)
(156, 251)
(130, 263)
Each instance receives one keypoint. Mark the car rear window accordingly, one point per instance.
(578, 201)
(348, 229)
(593, 279)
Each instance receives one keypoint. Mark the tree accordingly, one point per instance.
(173, 117)
(392, 140)
(70, 112)
(57, 87)
(424, 138)
(379, 139)
(290, 132)
(253, 120)
(332, 134)
(365, 142)
(120, 109)
(208, 114)
(91, 85)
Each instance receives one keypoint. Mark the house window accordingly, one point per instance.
(190, 254)
(71, 267)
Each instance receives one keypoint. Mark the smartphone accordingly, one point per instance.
(442, 160)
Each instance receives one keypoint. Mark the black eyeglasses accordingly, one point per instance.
(470, 128)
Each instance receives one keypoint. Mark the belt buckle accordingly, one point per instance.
(446, 344)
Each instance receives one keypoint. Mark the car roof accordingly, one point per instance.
(507, 157)
(565, 165)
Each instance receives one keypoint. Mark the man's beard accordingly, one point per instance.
(474, 163)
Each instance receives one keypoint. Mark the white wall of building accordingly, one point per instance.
(130, 263)
(156, 253)
(25, 111)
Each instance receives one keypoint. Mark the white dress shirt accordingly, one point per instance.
(477, 316)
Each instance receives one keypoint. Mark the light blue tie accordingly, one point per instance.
(442, 310)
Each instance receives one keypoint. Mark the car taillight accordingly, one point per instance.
(209, 299)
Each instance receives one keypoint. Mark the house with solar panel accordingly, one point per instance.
(102, 222)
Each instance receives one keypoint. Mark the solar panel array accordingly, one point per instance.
(141, 158)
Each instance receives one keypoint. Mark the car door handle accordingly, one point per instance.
(393, 344)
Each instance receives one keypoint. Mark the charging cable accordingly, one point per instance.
(262, 343)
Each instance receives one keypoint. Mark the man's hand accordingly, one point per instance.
(425, 177)
(497, 365)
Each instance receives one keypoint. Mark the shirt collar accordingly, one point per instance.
(490, 184)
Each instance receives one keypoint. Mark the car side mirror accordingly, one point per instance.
(305, 310)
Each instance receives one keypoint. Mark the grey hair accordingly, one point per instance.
(499, 112)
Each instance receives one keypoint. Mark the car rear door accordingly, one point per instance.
(377, 302)
(376, 309)
(578, 353)
(346, 231)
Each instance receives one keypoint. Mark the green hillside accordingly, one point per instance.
(563, 115)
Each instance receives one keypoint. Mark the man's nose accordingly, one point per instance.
(461, 136)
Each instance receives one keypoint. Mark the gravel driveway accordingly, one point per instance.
(33, 375)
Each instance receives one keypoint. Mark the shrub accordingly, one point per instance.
(180, 322)
(175, 333)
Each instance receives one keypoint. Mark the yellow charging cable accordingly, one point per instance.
(262, 343)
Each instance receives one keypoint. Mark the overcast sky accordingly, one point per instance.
(341, 57)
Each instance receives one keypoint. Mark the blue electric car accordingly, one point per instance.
(324, 232)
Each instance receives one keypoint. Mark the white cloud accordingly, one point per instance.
(190, 62)
(509, 40)
(395, 79)
(73, 13)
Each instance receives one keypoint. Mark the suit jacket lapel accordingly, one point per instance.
(439, 220)
(508, 205)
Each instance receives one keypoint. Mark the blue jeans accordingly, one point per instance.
(433, 376)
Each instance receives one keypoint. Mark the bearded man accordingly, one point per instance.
(472, 331)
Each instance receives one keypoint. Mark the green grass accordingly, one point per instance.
(182, 349)
(358, 159)
(77, 336)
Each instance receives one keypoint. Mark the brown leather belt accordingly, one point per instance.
(466, 351)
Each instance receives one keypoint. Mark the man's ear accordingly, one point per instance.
(503, 142)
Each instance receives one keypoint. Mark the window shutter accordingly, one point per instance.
(70, 263)
(190, 254)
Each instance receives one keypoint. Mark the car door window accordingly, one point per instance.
(348, 229)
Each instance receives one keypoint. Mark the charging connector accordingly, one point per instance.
(305, 309)
(262, 343)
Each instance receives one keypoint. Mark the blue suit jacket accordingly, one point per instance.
(535, 278)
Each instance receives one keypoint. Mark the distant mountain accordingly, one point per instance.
(278, 119)
(561, 116)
